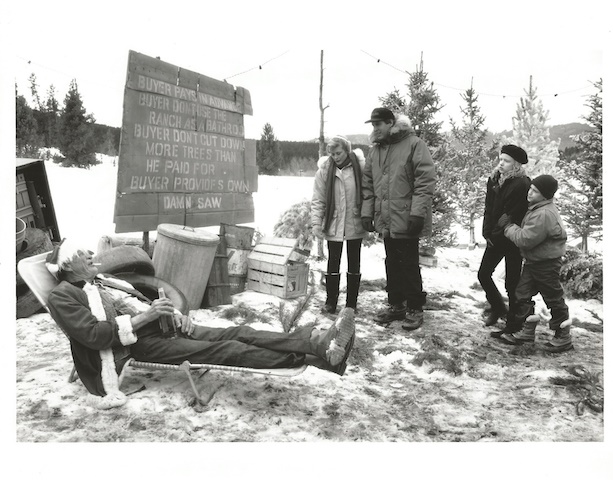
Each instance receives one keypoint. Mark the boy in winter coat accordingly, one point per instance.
(542, 242)
(335, 216)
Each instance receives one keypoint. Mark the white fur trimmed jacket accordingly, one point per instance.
(346, 223)
(398, 182)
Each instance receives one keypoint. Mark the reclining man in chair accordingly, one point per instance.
(103, 315)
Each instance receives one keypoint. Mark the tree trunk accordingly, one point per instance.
(322, 145)
(471, 229)
(584, 243)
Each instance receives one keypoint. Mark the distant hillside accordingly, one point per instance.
(563, 132)
(357, 139)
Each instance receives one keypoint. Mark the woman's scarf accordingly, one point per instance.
(357, 174)
(500, 178)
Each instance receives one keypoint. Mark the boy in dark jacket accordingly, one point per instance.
(542, 242)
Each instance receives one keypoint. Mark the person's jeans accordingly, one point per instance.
(403, 272)
(512, 264)
(237, 346)
(544, 278)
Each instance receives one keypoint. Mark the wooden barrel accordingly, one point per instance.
(238, 242)
(184, 257)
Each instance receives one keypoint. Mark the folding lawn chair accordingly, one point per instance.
(41, 282)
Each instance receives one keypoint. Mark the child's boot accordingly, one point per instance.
(561, 341)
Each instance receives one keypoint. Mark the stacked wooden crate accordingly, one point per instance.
(272, 270)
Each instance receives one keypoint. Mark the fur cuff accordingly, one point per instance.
(126, 332)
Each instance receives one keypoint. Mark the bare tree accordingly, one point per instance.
(322, 142)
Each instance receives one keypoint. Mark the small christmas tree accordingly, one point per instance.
(468, 162)
(268, 155)
(76, 137)
(581, 204)
(531, 134)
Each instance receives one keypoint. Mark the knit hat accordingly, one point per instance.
(61, 254)
(516, 153)
(546, 184)
(380, 114)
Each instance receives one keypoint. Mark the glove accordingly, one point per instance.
(367, 224)
(504, 221)
(416, 225)
(317, 232)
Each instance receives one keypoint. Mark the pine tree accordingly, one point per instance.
(76, 139)
(51, 113)
(27, 141)
(468, 162)
(268, 155)
(423, 105)
(581, 203)
(531, 134)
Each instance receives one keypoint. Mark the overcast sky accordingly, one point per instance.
(368, 49)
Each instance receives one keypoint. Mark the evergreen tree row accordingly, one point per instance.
(69, 128)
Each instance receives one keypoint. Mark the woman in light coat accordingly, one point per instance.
(335, 216)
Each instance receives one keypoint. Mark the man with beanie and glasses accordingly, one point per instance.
(542, 242)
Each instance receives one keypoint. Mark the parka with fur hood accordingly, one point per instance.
(346, 222)
(398, 181)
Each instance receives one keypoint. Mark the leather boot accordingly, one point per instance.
(333, 344)
(353, 286)
(561, 341)
(526, 335)
(332, 283)
(392, 312)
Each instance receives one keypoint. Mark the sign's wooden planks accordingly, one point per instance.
(183, 154)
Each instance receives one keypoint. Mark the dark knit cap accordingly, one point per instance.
(517, 153)
(380, 114)
(546, 184)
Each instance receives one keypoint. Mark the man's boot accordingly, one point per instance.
(332, 283)
(353, 287)
(392, 312)
(413, 319)
(561, 341)
(525, 335)
(334, 344)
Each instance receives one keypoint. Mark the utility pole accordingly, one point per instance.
(322, 145)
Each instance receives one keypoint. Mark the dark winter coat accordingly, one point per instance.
(510, 198)
(542, 235)
(398, 182)
(98, 339)
(346, 223)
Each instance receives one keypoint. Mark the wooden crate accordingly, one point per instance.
(272, 271)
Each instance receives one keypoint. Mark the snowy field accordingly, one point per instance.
(446, 382)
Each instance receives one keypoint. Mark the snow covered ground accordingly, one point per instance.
(446, 382)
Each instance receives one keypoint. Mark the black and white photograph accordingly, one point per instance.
(249, 235)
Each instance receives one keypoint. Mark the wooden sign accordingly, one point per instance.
(183, 157)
